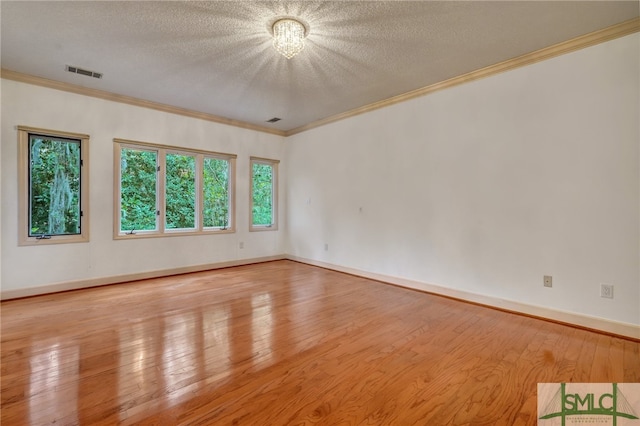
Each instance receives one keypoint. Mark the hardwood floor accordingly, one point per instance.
(282, 343)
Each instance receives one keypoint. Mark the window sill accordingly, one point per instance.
(263, 228)
(54, 239)
(143, 234)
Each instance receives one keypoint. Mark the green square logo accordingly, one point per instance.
(561, 404)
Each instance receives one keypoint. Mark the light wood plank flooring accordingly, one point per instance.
(282, 343)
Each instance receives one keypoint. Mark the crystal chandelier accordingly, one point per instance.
(288, 37)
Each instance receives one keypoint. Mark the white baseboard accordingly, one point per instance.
(95, 282)
(569, 318)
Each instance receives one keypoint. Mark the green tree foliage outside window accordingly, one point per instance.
(138, 187)
(262, 194)
(196, 190)
(54, 186)
(216, 192)
(180, 191)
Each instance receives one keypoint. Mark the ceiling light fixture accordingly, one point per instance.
(288, 37)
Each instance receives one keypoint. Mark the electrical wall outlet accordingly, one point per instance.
(241, 244)
(547, 281)
(326, 247)
(606, 291)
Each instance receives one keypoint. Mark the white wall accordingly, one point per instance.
(34, 266)
(488, 186)
(482, 188)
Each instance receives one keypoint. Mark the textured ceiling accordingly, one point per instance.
(217, 57)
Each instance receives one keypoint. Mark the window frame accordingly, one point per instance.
(118, 200)
(231, 188)
(161, 179)
(24, 213)
(274, 194)
(198, 188)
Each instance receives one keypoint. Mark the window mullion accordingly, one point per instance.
(199, 207)
(231, 190)
(161, 197)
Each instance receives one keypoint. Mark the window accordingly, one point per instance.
(180, 191)
(54, 181)
(264, 194)
(138, 190)
(216, 184)
(164, 190)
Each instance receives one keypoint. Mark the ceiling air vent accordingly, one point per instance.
(82, 71)
(273, 120)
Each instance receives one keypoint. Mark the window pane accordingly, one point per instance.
(180, 191)
(138, 187)
(216, 193)
(262, 194)
(54, 186)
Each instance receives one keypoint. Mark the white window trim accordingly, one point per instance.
(118, 202)
(23, 188)
(232, 193)
(274, 164)
(198, 189)
(161, 230)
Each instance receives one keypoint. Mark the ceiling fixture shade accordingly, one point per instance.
(288, 37)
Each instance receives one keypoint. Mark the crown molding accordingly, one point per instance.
(101, 94)
(581, 42)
